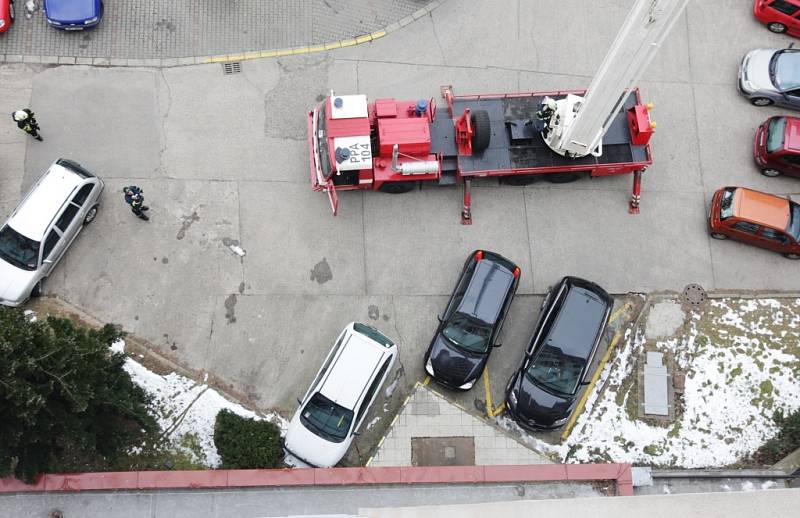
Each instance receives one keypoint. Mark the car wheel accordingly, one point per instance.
(11, 10)
(397, 187)
(518, 181)
(717, 235)
(37, 290)
(772, 173)
(792, 256)
(776, 27)
(90, 215)
(761, 101)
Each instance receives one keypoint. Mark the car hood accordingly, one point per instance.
(310, 447)
(537, 405)
(71, 10)
(15, 283)
(755, 69)
(452, 364)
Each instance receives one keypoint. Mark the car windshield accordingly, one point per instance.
(776, 131)
(468, 333)
(327, 419)
(784, 69)
(794, 221)
(555, 370)
(322, 144)
(18, 249)
(726, 204)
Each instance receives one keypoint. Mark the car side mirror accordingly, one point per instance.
(439, 318)
(47, 261)
(299, 401)
(497, 345)
(356, 434)
(584, 383)
(791, 45)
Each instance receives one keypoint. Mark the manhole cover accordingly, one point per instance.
(694, 295)
(232, 67)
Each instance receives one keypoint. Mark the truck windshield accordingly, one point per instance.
(776, 132)
(323, 157)
(18, 250)
(327, 419)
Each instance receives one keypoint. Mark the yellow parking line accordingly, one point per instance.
(615, 315)
(427, 380)
(488, 391)
(500, 408)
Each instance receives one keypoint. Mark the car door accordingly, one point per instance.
(791, 98)
(790, 165)
(774, 240)
(744, 231)
(69, 224)
(366, 401)
(51, 251)
(81, 197)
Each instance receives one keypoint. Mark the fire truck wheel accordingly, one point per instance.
(481, 130)
(519, 181)
(561, 177)
(397, 187)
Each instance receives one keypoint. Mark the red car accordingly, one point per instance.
(779, 15)
(6, 14)
(776, 149)
(756, 218)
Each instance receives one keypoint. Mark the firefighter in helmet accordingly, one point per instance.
(27, 122)
(135, 198)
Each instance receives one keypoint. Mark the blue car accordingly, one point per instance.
(73, 15)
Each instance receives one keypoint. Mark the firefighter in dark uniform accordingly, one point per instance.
(135, 198)
(27, 123)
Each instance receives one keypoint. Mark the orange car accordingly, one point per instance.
(757, 218)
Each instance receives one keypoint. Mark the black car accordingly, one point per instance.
(543, 392)
(472, 321)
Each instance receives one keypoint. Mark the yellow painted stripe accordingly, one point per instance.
(267, 53)
(427, 380)
(300, 50)
(499, 409)
(316, 48)
(615, 315)
(283, 52)
(590, 388)
(235, 57)
(252, 55)
(487, 391)
(364, 39)
(378, 34)
(333, 45)
(369, 461)
(348, 42)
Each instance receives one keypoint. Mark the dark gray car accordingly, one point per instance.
(472, 321)
(771, 76)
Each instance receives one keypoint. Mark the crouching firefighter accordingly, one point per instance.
(135, 198)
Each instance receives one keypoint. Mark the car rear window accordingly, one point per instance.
(776, 133)
(372, 333)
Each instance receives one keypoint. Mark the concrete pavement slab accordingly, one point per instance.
(664, 247)
(738, 266)
(296, 246)
(415, 244)
(106, 119)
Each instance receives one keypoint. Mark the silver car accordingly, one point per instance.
(41, 228)
(771, 76)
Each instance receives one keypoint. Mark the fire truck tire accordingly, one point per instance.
(776, 27)
(561, 177)
(398, 187)
(519, 181)
(481, 130)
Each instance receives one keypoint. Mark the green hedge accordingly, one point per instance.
(785, 442)
(246, 443)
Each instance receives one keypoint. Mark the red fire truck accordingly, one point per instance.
(393, 146)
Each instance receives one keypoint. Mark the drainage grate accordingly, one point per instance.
(232, 67)
(694, 295)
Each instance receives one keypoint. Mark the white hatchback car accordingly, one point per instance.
(47, 220)
(337, 402)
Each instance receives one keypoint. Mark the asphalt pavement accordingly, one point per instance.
(223, 161)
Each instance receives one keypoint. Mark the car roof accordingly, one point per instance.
(762, 208)
(487, 291)
(792, 134)
(353, 369)
(50, 192)
(581, 315)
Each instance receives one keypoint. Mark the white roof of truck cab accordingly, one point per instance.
(349, 106)
(352, 371)
(38, 209)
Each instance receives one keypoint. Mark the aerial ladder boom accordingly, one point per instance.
(575, 125)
